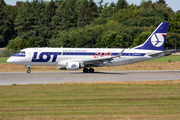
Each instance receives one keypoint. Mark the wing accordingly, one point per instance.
(100, 60)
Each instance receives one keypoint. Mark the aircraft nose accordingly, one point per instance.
(10, 60)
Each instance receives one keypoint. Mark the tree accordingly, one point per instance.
(99, 21)
(100, 7)
(146, 4)
(30, 22)
(18, 44)
(47, 28)
(177, 11)
(113, 40)
(141, 38)
(7, 16)
(175, 24)
(161, 1)
(107, 11)
(2, 23)
(66, 16)
(11, 13)
(126, 14)
(121, 4)
(87, 12)
(172, 40)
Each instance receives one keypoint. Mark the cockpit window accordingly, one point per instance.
(21, 52)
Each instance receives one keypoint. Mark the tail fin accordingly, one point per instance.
(157, 39)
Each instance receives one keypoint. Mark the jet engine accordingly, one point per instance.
(74, 65)
(70, 66)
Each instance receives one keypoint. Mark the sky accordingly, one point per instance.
(174, 4)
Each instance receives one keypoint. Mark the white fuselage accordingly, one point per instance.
(60, 56)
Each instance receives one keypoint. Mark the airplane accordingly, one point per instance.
(86, 58)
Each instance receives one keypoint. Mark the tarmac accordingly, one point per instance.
(20, 78)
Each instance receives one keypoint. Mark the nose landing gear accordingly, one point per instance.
(29, 68)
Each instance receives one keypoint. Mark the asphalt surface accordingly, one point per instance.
(62, 77)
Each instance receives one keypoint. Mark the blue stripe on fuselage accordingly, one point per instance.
(89, 53)
(113, 54)
(18, 55)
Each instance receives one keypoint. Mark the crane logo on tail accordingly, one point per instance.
(157, 39)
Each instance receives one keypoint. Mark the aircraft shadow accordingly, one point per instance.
(100, 73)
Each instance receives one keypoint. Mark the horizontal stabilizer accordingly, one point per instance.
(166, 53)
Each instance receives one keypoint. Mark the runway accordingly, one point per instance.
(62, 77)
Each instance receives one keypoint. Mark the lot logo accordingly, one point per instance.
(44, 57)
(157, 40)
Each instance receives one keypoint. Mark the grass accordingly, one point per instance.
(3, 60)
(173, 58)
(100, 100)
(136, 66)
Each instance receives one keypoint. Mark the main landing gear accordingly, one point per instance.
(86, 70)
(29, 68)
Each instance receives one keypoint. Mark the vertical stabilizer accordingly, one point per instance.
(157, 39)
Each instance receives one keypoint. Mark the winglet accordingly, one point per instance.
(157, 39)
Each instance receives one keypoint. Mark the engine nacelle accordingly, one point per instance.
(73, 65)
